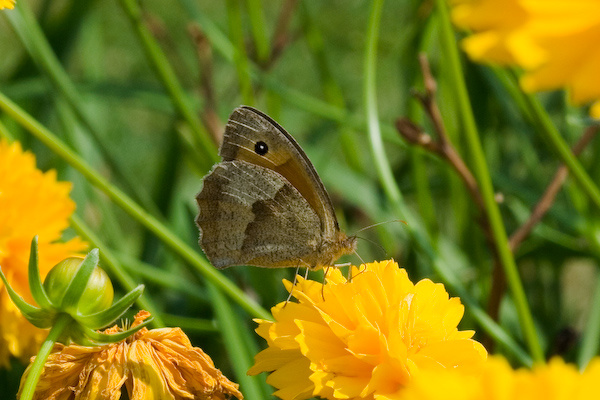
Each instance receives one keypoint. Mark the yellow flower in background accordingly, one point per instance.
(495, 380)
(7, 4)
(31, 203)
(364, 338)
(498, 381)
(152, 364)
(554, 41)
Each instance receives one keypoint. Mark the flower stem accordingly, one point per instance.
(258, 24)
(35, 372)
(591, 334)
(485, 183)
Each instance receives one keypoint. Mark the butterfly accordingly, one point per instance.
(264, 204)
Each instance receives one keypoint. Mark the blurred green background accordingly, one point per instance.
(303, 63)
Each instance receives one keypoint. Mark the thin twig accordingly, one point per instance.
(545, 202)
(205, 61)
(281, 36)
(444, 149)
(540, 209)
(443, 146)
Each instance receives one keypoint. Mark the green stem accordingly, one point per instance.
(591, 334)
(395, 197)
(169, 80)
(239, 353)
(177, 245)
(259, 29)
(370, 87)
(36, 369)
(590, 339)
(482, 174)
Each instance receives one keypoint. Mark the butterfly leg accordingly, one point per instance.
(293, 284)
(362, 262)
(324, 281)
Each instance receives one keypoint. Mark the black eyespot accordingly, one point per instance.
(261, 148)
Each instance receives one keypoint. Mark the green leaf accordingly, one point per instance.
(80, 280)
(105, 338)
(38, 317)
(103, 318)
(35, 281)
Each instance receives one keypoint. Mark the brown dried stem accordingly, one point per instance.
(443, 146)
(281, 37)
(205, 61)
(540, 209)
(545, 202)
(444, 149)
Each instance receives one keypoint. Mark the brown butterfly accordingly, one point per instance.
(264, 203)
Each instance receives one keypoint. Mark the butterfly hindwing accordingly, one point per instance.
(274, 224)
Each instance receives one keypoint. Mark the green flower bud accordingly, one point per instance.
(97, 296)
(76, 299)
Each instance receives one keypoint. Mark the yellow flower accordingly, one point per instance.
(364, 338)
(498, 381)
(31, 203)
(152, 364)
(554, 41)
(494, 381)
(7, 4)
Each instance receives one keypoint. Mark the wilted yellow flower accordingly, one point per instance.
(364, 338)
(31, 203)
(554, 41)
(152, 364)
(7, 4)
(498, 381)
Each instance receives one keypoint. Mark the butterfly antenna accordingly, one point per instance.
(372, 242)
(377, 224)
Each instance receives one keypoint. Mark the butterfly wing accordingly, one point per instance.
(250, 215)
(246, 128)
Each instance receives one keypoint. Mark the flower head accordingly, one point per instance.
(555, 41)
(152, 364)
(364, 338)
(7, 4)
(496, 380)
(31, 203)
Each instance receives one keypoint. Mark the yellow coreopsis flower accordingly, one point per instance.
(364, 338)
(554, 41)
(498, 381)
(31, 203)
(7, 4)
(152, 364)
